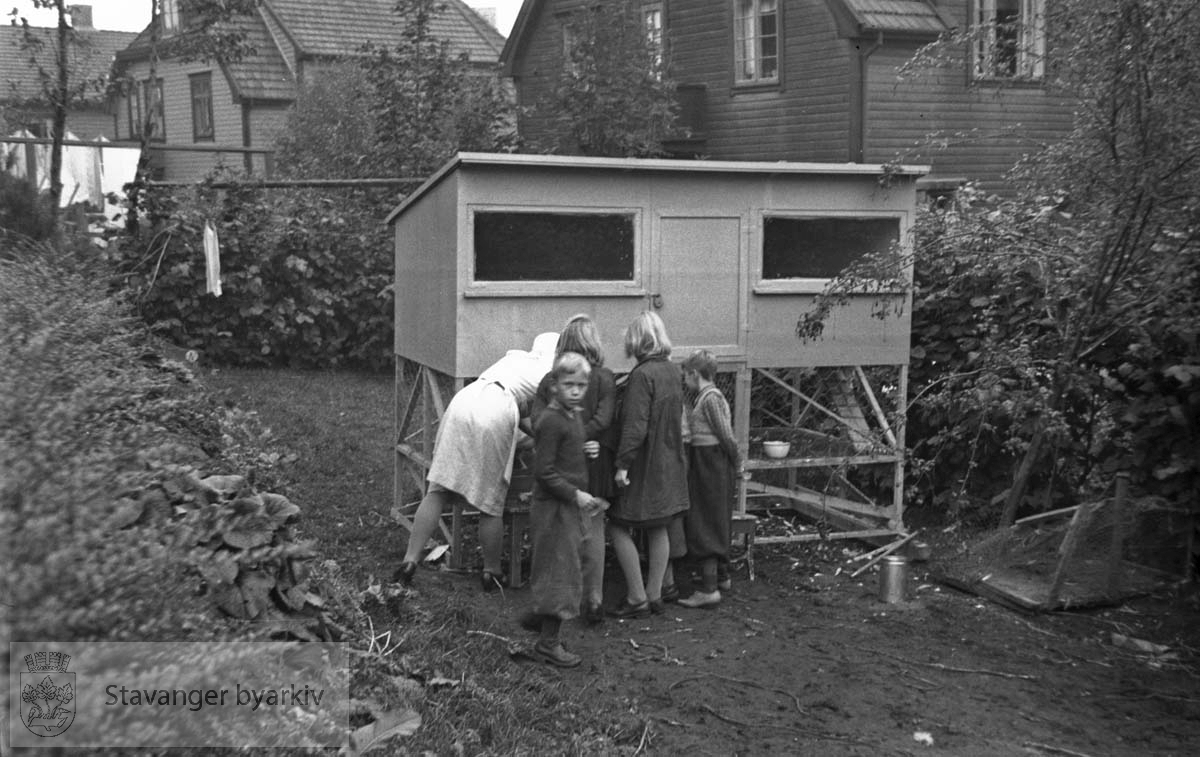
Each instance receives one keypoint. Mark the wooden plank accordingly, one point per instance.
(848, 409)
(1067, 549)
(1063, 511)
(869, 533)
(817, 405)
(876, 407)
(817, 512)
(820, 462)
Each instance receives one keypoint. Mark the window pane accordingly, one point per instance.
(513, 246)
(819, 248)
(202, 117)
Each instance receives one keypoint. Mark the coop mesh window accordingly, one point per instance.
(515, 246)
(819, 248)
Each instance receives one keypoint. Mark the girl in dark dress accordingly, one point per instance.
(651, 467)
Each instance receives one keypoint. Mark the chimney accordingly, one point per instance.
(81, 16)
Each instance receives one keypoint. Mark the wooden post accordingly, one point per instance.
(896, 521)
(741, 428)
(1066, 551)
(1117, 543)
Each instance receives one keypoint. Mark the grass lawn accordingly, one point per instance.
(338, 425)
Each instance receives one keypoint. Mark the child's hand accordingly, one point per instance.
(622, 477)
(587, 503)
(591, 449)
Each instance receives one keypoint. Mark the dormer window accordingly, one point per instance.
(1011, 39)
(176, 17)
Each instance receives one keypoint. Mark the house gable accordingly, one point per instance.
(838, 94)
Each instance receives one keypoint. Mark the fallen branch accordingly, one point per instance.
(495, 636)
(793, 729)
(951, 669)
(1054, 749)
(887, 551)
(795, 699)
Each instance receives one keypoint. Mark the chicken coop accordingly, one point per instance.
(496, 248)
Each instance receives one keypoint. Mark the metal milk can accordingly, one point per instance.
(893, 579)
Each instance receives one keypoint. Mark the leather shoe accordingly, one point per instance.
(489, 581)
(554, 654)
(593, 615)
(404, 574)
(704, 599)
(658, 606)
(670, 593)
(627, 611)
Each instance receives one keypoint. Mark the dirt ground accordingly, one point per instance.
(803, 659)
(806, 660)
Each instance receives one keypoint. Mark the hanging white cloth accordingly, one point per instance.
(212, 260)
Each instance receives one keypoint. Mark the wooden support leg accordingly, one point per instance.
(746, 526)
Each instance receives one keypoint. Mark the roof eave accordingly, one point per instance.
(516, 37)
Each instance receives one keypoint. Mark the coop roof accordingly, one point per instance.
(649, 165)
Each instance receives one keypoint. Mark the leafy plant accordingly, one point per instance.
(613, 97)
(1054, 329)
(306, 275)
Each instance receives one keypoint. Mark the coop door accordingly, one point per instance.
(698, 282)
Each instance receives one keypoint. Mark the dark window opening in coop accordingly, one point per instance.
(515, 246)
(819, 248)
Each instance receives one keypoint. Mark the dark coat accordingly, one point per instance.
(651, 444)
(599, 424)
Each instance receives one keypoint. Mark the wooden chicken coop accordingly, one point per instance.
(496, 248)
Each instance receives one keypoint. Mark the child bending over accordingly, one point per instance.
(559, 508)
(713, 460)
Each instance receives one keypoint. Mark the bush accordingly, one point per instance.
(306, 275)
(23, 210)
(99, 439)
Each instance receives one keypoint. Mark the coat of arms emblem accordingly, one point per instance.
(47, 691)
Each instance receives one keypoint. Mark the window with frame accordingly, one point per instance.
(756, 41)
(150, 109)
(652, 19)
(133, 106)
(810, 250)
(560, 245)
(1010, 40)
(202, 107)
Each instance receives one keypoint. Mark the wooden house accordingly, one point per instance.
(496, 248)
(23, 102)
(209, 113)
(818, 80)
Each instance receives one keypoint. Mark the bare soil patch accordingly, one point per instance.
(802, 660)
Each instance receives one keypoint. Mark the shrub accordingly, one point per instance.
(99, 441)
(23, 210)
(306, 275)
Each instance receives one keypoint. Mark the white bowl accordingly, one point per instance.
(776, 449)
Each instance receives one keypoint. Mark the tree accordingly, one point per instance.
(397, 111)
(58, 85)
(1056, 328)
(212, 32)
(613, 98)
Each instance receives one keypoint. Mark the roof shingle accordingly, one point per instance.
(90, 59)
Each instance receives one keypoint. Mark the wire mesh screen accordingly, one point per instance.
(1101, 553)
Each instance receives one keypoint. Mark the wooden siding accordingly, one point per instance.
(536, 70)
(435, 312)
(804, 118)
(427, 281)
(184, 165)
(983, 128)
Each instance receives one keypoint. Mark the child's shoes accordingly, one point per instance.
(627, 611)
(593, 615)
(404, 574)
(554, 654)
(705, 599)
